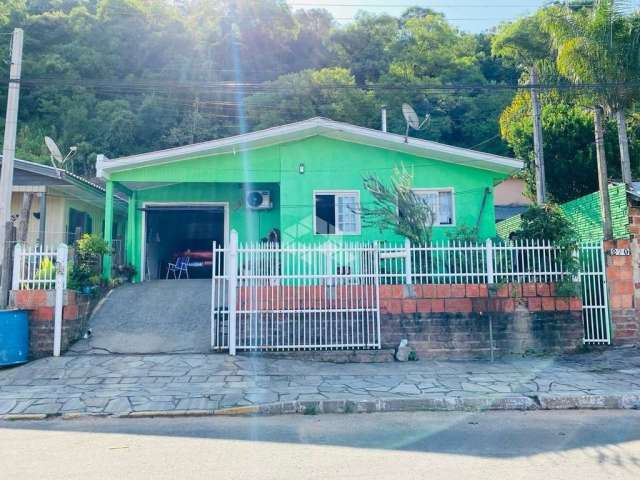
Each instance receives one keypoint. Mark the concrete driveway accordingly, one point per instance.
(164, 316)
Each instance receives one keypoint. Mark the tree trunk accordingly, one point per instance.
(603, 182)
(537, 139)
(623, 140)
(23, 219)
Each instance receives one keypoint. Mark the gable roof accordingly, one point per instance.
(308, 128)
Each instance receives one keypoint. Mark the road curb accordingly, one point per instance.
(429, 404)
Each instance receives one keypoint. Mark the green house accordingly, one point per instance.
(298, 183)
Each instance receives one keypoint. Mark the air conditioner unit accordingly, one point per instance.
(259, 200)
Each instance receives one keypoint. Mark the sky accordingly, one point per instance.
(469, 15)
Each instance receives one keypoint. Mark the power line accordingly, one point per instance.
(271, 87)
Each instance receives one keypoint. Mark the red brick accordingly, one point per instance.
(515, 290)
(543, 289)
(427, 291)
(437, 305)
(529, 290)
(409, 306)
(458, 291)
(534, 304)
(394, 306)
(30, 299)
(548, 304)
(619, 261)
(392, 291)
(473, 291)
(562, 304)
(70, 312)
(458, 305)
(483, 291)
(575, 304)
(72, 298)
(42, 314)
(508, 305)
(622, 288)
(503, 291)
(552, 289)
(443, 291)
(424, 305)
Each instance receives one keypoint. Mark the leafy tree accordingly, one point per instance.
(600, 45)
(570, 157)
(330, 92)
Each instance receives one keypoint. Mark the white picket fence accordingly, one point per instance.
(272, 297)
(35, 266)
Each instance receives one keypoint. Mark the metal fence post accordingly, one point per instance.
(490, 276)
(17, 264)
(233, 289)
(61, 273)
(407, 261)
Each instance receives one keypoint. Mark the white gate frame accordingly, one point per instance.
(310, 301)
(61, 275)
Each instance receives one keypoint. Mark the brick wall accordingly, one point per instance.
(453, 321)
(478, 298)
(40, 304)
(622, 287)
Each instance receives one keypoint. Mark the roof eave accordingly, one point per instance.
(308, 128)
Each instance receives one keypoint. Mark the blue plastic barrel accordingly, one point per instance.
(14, 337)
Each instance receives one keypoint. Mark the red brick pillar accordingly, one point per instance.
(624, 316)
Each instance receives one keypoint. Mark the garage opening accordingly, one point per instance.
(182, 231)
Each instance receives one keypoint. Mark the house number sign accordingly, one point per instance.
(620, 252)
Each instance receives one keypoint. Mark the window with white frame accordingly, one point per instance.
(336, 213)
(440, 202)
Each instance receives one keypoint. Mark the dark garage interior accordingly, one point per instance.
(173, 231)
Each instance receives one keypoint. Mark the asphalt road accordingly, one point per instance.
(496, 445)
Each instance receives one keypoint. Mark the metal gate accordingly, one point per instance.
(595, 303)
(312, 297)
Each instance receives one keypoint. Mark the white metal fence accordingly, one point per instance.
(270, 297)
(468, 262)
(35, 266)
(295, 298)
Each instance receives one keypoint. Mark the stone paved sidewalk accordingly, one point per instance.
(201, 384)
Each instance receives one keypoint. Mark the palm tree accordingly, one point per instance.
(599, 44)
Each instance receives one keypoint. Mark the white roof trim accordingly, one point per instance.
(309, 128)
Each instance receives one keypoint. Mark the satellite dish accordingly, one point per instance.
(410, 116)
(53, 149)
(56, 156)
(412, 119)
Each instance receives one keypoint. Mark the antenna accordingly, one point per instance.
(56, 156)
(413, 122)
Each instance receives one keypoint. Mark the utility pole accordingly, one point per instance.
(541, 189)
(10, 128)
(623, 140)
(603, 183)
